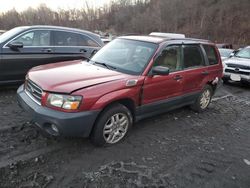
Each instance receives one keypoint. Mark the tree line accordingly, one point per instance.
(217, 20)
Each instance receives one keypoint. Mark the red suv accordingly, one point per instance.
(131, 78)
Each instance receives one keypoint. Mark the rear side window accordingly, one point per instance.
(192, 56)
(211, 54)
(62, 38)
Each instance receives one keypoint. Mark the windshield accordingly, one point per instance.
(127, 56)
(225, 52)
(244, 53)
(5, 36)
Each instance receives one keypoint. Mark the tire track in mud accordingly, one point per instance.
(190, 173)
(187, 173)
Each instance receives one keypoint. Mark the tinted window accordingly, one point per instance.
(62, 38)
(171, 58)
(192, 56)
(35, 38)
(211, 54)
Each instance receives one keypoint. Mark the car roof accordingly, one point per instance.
(158, 39)
(55, 27)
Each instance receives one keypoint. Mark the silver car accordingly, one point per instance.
(237, 68)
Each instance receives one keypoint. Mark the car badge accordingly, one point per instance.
(237, 70)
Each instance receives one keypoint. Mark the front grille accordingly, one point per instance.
(237, 72)
(238, 66)
(34, 91)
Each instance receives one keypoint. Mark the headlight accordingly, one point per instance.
(67, 102)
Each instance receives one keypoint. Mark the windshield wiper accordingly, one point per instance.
(104, 65)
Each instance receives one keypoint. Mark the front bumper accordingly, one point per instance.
(77, 124)
(243, 77)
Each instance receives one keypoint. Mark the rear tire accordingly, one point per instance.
(112, 125)
(204, 99)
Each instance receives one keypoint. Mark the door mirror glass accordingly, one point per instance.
(160, 70)
(15, 45)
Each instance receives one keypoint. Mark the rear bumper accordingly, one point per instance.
(77, 124)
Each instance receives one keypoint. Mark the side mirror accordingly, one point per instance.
(160, 70)
(15, 45)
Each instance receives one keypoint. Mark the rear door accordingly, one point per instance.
(195, 69)
(72, 46)
(215, 68)
(162, 91)
(36, 51)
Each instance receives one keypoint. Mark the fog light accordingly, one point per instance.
(54, 128)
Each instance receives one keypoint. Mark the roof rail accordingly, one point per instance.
(167, 35)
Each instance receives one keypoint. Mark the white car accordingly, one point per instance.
(237, 68)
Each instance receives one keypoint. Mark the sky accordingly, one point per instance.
(21, 5)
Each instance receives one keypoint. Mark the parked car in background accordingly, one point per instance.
(2, 31)
(25, 47)
(129, 79)
(237, 68)
(225, 45)
(225, 53)
(106, 40)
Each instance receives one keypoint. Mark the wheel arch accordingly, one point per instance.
(127, 102)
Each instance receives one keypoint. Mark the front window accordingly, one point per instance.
(171, 58)
(245, 53)
(127, 56)
(35, 38)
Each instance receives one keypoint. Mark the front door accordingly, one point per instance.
(160, 91)
(36, 51)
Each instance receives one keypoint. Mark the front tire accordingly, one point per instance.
(112, 125)
(204, 99)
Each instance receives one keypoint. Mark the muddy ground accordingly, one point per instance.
(177, 149)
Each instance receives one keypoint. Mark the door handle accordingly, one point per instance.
(205, 73)
(49, 50)
(83, 50)
(178, 77)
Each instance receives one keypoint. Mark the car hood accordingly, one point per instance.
(67, 77)
(237, 60)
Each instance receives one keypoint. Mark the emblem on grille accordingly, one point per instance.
(236, 69)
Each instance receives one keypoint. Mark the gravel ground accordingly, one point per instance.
(177, 149)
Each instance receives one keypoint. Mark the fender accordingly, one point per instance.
(127, 93)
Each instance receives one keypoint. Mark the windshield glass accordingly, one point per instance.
(225, 52)
(127, 56)
(244, 53)
(10, 33)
